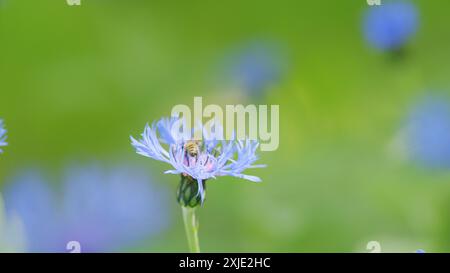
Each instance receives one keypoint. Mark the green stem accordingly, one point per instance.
(191, 227)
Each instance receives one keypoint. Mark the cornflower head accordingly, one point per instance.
(2, 135)
(427, 131)
(256, 66)
(196, 160)
(390, 25)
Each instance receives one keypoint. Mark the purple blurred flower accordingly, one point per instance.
(32, 200)
(428, 132)
(102, 210)
(390, 25)
(256, 66)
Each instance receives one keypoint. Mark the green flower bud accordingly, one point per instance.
(187, 192)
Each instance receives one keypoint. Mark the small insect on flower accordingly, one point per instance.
(2, 136)
(192, 147)
(196, 161)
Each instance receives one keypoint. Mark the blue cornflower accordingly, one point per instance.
(104, 210)
(2, 135)
(31, 198)
(428, 132)
(256, 66)
(197, 160)
(390, 25)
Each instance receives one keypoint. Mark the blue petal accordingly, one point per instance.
(164, 128)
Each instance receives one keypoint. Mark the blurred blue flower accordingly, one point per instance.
(255, 66)
(2, 135)
(102, 210)
(213, 156)
(428, 132)
(390, 25)
(11, 232)
(32, 199)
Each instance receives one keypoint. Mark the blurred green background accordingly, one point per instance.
(77, 81)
